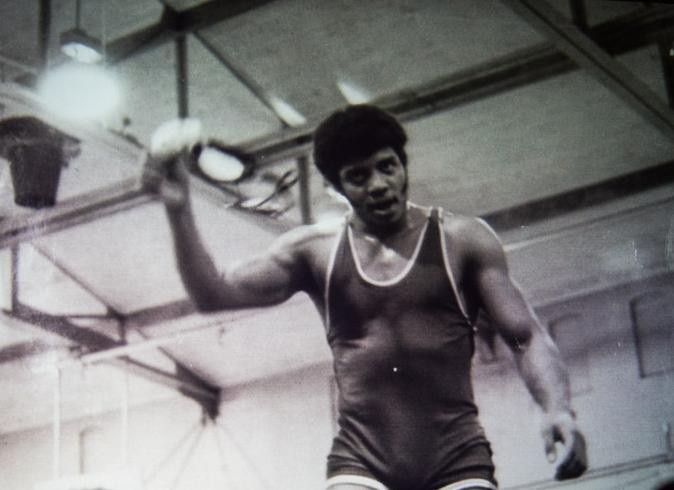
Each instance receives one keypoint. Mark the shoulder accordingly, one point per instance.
(472, 237)
(308, 239)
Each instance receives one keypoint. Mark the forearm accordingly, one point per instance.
(544, 373)
(198, 272)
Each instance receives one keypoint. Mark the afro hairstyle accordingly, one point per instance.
(353, 133)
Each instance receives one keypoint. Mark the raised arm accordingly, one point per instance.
(266, 279)
(535, 353)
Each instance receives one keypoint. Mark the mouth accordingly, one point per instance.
(382, 206)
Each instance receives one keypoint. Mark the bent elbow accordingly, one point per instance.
(206, 303)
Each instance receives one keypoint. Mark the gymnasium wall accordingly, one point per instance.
(275, 433)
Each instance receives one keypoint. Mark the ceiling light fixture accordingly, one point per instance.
(78, 44)
(287, 113)
(220, 163)
(81, 91)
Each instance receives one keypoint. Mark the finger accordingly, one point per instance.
(575, 462)
(549, 444)
(566, 455)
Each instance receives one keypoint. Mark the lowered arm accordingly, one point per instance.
(536, 355)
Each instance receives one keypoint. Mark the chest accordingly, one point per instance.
(384, 261)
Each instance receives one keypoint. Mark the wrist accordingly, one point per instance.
(560, 414)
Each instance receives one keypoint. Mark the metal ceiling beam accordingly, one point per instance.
(666, 49)
(251, 85)
(174, 24)
(21, 350)
(113, 311)
(583, 197)
(526, 66)
(184, 380)
(588, 54)
(80, 210)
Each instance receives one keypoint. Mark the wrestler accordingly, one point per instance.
(399, 287)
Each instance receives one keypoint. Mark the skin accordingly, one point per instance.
(386, 228)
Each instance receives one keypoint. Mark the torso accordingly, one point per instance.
(384, 261)
(402, 347)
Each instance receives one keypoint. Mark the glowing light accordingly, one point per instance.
(287, 113)
(80, 46)
(353, 93)
(220, 166)
(80, 91)
(81, 52)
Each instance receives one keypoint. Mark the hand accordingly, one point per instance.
(562, 428)
(165, 171)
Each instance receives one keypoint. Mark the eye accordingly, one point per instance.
(388, 165)
(356, 176)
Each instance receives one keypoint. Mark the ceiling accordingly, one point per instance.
(572, 165)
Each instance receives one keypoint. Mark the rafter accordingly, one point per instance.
(583, 197)
(584, 51)
(526, 66)
(183, 380)
(174, 24)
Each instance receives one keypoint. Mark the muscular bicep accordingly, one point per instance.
(262, 280)
(265, 279)
(499, 296)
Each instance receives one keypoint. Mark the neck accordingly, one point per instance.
(384, 231)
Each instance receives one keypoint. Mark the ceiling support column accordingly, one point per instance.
(182, 73)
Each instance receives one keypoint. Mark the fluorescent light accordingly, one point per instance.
(80, 91)
(80, 46)
(286, 112)
(353, 93)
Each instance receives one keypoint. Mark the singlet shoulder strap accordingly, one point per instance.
(338, 244)
(437, 218)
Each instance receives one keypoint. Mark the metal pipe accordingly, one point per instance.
(669, 449)
(56, 427)
(181, 76)
(44, 21)
(78, 13)
(135, 347)
(579, 14)
(666, 49)
(125, 417)
(304, 189)
(253, 87)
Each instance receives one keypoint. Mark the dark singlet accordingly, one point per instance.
(402, 361)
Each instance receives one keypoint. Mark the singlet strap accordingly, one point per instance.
(338, 244)
(437, 218)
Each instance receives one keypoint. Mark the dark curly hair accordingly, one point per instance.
(352, 133)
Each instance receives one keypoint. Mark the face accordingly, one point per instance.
(376, 187)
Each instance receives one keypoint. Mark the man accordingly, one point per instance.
(399, 287)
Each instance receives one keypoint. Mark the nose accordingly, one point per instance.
(377, 184)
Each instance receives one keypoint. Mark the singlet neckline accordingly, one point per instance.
(398, 278)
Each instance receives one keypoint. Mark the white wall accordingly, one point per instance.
(275, 433)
